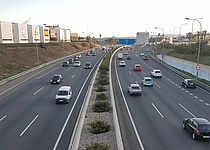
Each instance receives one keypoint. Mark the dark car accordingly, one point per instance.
(71, 60)
(88, 65)
(56, 79)
(199, 128)
(65, 64)
(189, 83)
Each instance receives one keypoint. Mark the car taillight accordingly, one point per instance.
(197, 131)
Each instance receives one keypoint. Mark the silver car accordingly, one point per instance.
(134, 89)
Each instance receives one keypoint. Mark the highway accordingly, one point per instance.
(153, 121)
(29, 116)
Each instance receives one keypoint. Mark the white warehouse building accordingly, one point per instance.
(6, 34)
(20, 33)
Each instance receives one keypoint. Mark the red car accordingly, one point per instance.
(137, 67)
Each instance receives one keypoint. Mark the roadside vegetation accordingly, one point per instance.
(187, 52)
(16, 58)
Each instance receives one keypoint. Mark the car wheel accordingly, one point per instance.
(183, 126)
(185, 86)
(194, 136)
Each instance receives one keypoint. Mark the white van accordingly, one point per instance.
(120, 56)
(63, 95)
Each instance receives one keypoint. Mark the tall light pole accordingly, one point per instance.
(199, 43)
(37, 51)
(163, 40)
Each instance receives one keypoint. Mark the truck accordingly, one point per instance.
(120, 55)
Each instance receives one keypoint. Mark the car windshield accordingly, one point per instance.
(204, 127)
(55, 78)
(157, 71)
(190, 81)
(148, 80)
(62, 93)
(135, 87)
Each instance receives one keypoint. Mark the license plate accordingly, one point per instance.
(206, 137)
(60, 100)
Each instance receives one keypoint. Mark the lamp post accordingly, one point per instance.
(37, 51)
(163, 40)
(199, 43)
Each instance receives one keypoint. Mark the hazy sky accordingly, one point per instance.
(110, 17)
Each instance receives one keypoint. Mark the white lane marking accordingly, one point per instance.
(156, 84)
(144, 72)
(129, 72)
(187, 110)
(29, 125)
(73, 76)
(191, 94)
(22, 81)
(128, 110)
(72, 108)
(157, 110)
(207, 104)
(201, 100)
(187, 91)
(47, 73)
(69, 68)
(80, 68)
(38, 91)
(3, 118)
(195, 97)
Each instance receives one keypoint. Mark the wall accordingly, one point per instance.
(6, 32)
(204, 72)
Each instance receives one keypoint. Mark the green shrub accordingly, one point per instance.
(97, 146)
(103, 81)
(101, 96)
(101, 88)
(99, 126)
(101, 106)
(103, 72)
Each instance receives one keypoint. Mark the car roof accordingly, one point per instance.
(57, 75)
(201, 121)
(134, 85)
(156, 69)
(64, 88)
(137, 65)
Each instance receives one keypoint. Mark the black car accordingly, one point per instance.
(56, 79)
(71, 60)
(65, 64)
(87, 65)
(189, 83)
(199, 128)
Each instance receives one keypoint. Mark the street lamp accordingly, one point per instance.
(163, 40)
(37, 51)
(199, 44)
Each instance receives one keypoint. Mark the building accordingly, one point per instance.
(142, 38)
(20, 33)
(6, 34)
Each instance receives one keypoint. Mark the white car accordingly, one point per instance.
(156, 73)
(79, 55)
(122, 64)
(142, 54)
(77, 64)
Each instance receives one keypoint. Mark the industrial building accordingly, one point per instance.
(25, 33)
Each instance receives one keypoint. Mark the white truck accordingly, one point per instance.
(120, 55)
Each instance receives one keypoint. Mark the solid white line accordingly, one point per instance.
(187, 110)
(29, 125)
(129, 72)
(3, 118)
(38, 91)
(129, 113)
(157, 110)
(73, 76)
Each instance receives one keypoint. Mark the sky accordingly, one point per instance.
(120, 18)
